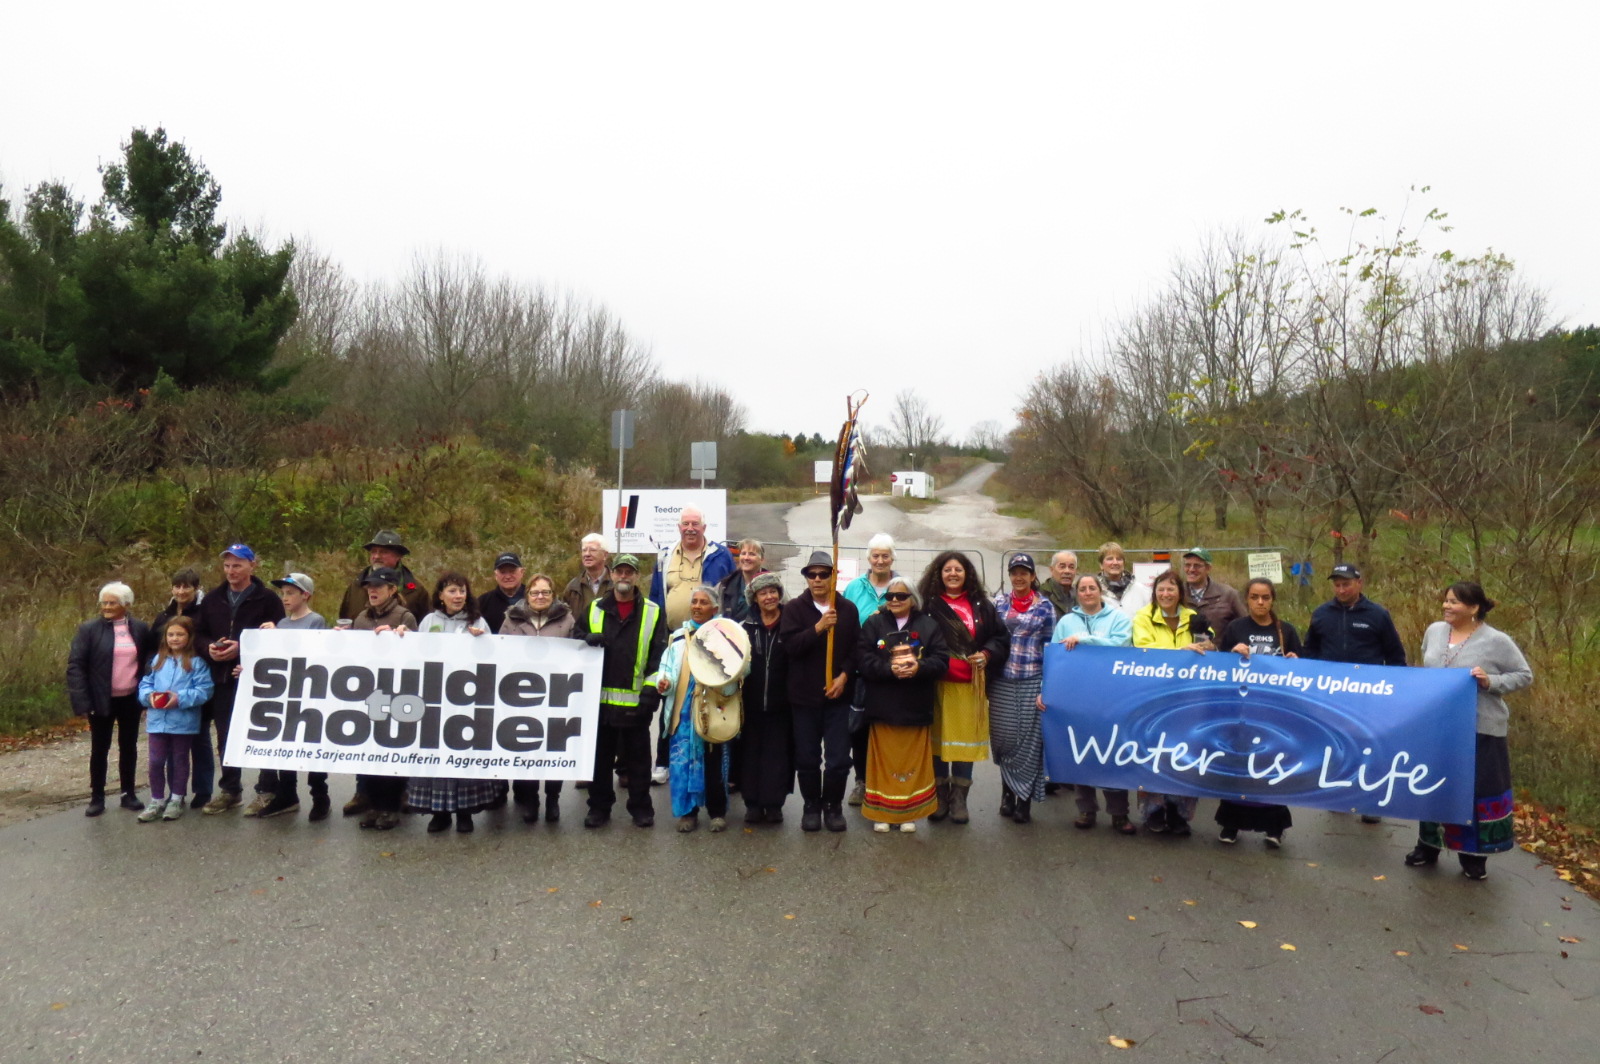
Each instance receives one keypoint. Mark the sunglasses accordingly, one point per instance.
(896, 596)
(817, 574)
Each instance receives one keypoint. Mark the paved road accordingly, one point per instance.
(222, 939)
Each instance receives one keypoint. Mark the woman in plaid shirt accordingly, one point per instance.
(1014, 734)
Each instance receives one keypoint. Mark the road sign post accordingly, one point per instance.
(621, 440)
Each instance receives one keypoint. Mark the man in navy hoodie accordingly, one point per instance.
(1352, 628)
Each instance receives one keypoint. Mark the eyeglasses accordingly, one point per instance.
(896, 596)
(543, 592)
(817, 574)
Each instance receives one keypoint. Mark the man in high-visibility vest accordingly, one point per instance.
(633, 631)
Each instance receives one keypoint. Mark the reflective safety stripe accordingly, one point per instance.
(616, 696)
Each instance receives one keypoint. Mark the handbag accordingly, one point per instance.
(717, 717)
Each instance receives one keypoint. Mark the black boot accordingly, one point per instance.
(438, 822)
(1474, 865)
(1422, 856)
(833, 817)
(1024, 812)
(552, 808)
(1008, 801)
(96, 806)
(464, 823)
(530, 811)
(811, 817)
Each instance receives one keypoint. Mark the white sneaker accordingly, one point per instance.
(909, 826)
(658, 775)
(152, 811)
(175, 807)
(881, 828)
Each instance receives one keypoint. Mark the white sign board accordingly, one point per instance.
(647, 518)
(424, 704)
(822, 471)
(1268, 564)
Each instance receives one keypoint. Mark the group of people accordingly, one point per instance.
(906, 682)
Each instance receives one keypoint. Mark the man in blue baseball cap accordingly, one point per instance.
(241, 601)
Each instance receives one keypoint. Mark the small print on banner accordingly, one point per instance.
(1268, 564)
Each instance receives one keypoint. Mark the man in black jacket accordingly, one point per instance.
(241, 601)
(633, 632)
(509, 590)
(818, 693)
(1352, 628)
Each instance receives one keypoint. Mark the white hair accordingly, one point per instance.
(123, 592)
(592, 537)
(903, 583)
(1058, 555)
(881, 541)
(695, 510)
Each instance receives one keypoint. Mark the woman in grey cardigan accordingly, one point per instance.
(1463, 641)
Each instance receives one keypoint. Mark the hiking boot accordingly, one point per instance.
(1123, 826)
(174, 808)
(319, 808)
(811, 817)
(1085, 821)
(221, 803)
(941, 799)
(958, 800)
(131, 801)
(833, 817)
(644, 820)
(386, 821)
(858, 793)
(357, 805)
(279, 806)
(688, 823)
(1474, 866)
(754, 814)
(258, 803)
(774, 814)
(1008, 800)
(369, 819)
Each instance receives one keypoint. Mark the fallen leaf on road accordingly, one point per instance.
(769, 869)
(57, 1006)
(595, 904)
(1376, 878)
(1402, 953)
(1133, 918)
(788, 916)
(1460, 947)
(1431, 1010)
(1155, 879)
(259, 890)
(386, 853)
(749, 831)
(1247, 923)
(1122, 1043)
(1572, 939)
(551, 890)
(1312, 864)
(625, 919)
(1286, 946)
(1188, 901)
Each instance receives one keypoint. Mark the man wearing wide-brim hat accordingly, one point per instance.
(385, 550)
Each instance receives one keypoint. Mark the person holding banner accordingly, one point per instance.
(1464, 640)
(1094, 622)
(386, 612)
(541, 616)
(978, 642)
(901, 656)
(455, 611)
(1167, 624)
(1014, 734)
(295, 589)
(633, 634)
(1260, 632)
(820, 702)
(1218, 603)
(766, 762)
(699, 769)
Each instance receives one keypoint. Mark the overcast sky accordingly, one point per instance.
(804, 199)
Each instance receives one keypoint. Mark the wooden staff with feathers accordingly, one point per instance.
(849, 466)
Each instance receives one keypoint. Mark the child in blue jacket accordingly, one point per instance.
(174, 689)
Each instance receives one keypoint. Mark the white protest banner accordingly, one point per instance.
(423, 704)
(647, 518)
(1266, 565)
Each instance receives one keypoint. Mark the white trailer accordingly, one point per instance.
(910, 482)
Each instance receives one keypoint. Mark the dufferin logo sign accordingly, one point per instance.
(423, 704)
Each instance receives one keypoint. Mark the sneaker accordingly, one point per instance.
(319, 808)
(96, 806)
(658, 775)
(1178, 827)
(1228, 835)
(174, 808)
(688, 823)
(152, 811)
(357, 805)
(221, 803)
(278, 806)
(258, 803)
(598, 819)
(1274, 842)
(908, 827)
(718, 824)
(858, 794)
(131, 801)
(882, 829)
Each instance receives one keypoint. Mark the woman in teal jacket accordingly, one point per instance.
(1093, 623)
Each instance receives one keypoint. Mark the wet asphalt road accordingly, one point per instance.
(281, 940)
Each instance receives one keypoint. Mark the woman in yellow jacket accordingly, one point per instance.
(1167, 624)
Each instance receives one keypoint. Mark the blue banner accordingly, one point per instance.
(1367, 739)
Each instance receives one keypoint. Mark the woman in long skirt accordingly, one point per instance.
(1014, 733)
(901, 658)
(455, 610)
(766, 740)
(697, 770)
(1464, 641)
